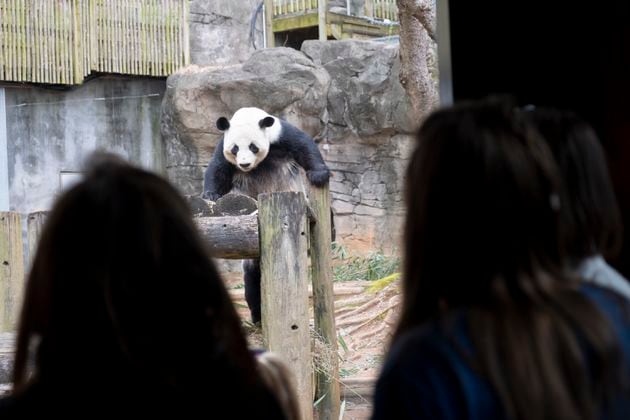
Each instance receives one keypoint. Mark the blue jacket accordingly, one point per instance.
(426, 376)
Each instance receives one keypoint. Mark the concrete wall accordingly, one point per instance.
(219, 31)
(50, 132)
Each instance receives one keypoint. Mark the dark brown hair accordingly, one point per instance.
(590, 215)
(482, 235)
(122, 295)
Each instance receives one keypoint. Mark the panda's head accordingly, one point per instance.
(248, 136)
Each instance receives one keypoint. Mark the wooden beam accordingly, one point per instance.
(295, 22)
(35, 225)
(324, 302)
(231, 237)
(269, 12)
(322, 11)
(284, 288)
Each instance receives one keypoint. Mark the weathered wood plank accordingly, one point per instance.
(323, 301)
(283, 264)
(11, 269)
(35, 224)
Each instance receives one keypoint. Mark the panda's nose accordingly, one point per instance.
(245, 165)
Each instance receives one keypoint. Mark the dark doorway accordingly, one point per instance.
(295, 38)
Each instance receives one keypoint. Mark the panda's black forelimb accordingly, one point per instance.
(217, 179)
(305, 152)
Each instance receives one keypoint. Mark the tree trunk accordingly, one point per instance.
(417, 37)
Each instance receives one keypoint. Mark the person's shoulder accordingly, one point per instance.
(608, 301)
(596, 270)
(433, 348)
(428, 374)
(615, 308)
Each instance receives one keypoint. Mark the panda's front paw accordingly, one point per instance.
(318, 177)
(207, 195)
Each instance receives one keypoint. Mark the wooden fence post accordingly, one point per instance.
(283, 264)
(322, 8)
(323, 301)
(11, 270)
(268, 21)
(35, 224)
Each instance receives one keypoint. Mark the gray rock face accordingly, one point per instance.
(220, 31)
(365, 95)
(346, 94)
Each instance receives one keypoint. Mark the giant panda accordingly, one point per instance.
(260, 153)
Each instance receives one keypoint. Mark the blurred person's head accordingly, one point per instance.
(482, 236)
(122, 291)
(482, 197)
(590, 214)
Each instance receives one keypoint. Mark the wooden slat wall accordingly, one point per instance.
(385, 9)
(62, 41)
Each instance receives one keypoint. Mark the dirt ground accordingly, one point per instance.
(365, 313)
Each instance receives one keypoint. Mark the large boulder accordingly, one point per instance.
(346, 94)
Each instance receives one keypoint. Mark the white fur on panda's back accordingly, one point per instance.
(286, 176)
(248, 119)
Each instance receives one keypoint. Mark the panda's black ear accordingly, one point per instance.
(223, 124)
(266, 122)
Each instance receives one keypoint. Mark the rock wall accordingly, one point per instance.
(346, 94)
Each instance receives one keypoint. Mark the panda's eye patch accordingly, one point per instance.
(234, 150)
(253, 148)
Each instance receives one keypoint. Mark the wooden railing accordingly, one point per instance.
(62, 41)
(380, 9)
(294, 7)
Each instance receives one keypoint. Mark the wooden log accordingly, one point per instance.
(231, 237)
(323, 301)
(234, 204)
(35, 224)
(283, 265)
(11, 270)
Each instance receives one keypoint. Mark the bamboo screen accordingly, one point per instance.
(62, 41)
